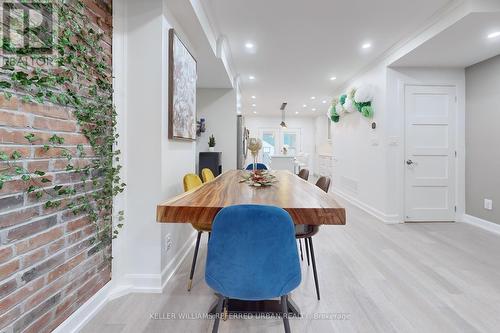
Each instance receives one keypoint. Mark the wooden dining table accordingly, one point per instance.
(306, 203)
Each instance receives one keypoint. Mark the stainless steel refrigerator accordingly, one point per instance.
(242, 134)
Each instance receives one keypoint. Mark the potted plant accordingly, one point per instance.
(211, 143)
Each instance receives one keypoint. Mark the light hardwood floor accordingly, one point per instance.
(439, 277)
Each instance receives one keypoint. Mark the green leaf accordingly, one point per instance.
(25, 177)
(45, 180)
(55, 139)
(16, 155)
(4, 156)
(32, 188)
(5, 84)
(39, 173)
(57, 187)
(31, 137)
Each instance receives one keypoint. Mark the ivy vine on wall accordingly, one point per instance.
(77, 75)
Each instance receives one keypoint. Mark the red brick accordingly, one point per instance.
(18, 136)
(42, 268)
(9, 268)
(12, 119)
(41, 295)
(11, 202)
(19, 216)
(13, 186)
(24, 151)
(20, 295)
(56, 246)
(10, 316)
(39, 324)
(40, 152)
(54, 124)
(43, 245)
(38, 165)
(51, 111)
(77, 224)
(33, 257)
(66, 267)
(39, 240)
(31, 228)
(5, 254)
(8, 287)
(68, 301)
(8, 104)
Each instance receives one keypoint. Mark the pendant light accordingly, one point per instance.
(283, 106)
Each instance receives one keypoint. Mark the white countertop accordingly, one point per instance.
(282, 156)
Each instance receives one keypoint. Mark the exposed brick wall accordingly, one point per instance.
(48, 265)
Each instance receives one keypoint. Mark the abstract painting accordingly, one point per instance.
(182, 90)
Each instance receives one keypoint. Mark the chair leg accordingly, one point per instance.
(284, 310)
(300, 246)
(307, 251)
(314, 267)
(197, 246)
(218, 314)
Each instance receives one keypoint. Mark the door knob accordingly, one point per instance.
(409, 162)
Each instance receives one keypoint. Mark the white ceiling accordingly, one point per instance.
(300, 44)
(211, 70)
(461, 45)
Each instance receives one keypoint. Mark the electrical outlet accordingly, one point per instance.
(168, 242)
(488, 204)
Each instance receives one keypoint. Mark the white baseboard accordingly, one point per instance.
(483, 224)
(136, 283)
(389, 219)
(155, 283)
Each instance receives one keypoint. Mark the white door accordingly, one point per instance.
(430, 153)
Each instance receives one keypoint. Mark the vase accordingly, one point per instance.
(211, 149)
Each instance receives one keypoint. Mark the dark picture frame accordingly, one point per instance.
(182, 77)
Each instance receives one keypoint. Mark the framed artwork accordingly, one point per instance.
(181, 90)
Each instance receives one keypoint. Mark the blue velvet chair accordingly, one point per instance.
(260, 166)
(252, 255)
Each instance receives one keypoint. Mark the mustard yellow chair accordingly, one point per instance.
(207, 175)
(192, 181)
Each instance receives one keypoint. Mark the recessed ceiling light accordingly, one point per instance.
(314, 109)
(254, 105)
(304, 105)
(249, 45)
(366, 45)
(255, 112)
(313, 97)
(323, 101)
(494, 34)
(296, 112)
(333, 78)
(251, 77)
(253, 97)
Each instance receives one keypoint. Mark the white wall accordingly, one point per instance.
(305, 124)
(218, 107)
(152, 176)
(359, 151)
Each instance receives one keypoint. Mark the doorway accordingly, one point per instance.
(430, 153)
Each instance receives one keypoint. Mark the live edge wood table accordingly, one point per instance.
(306, 204)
